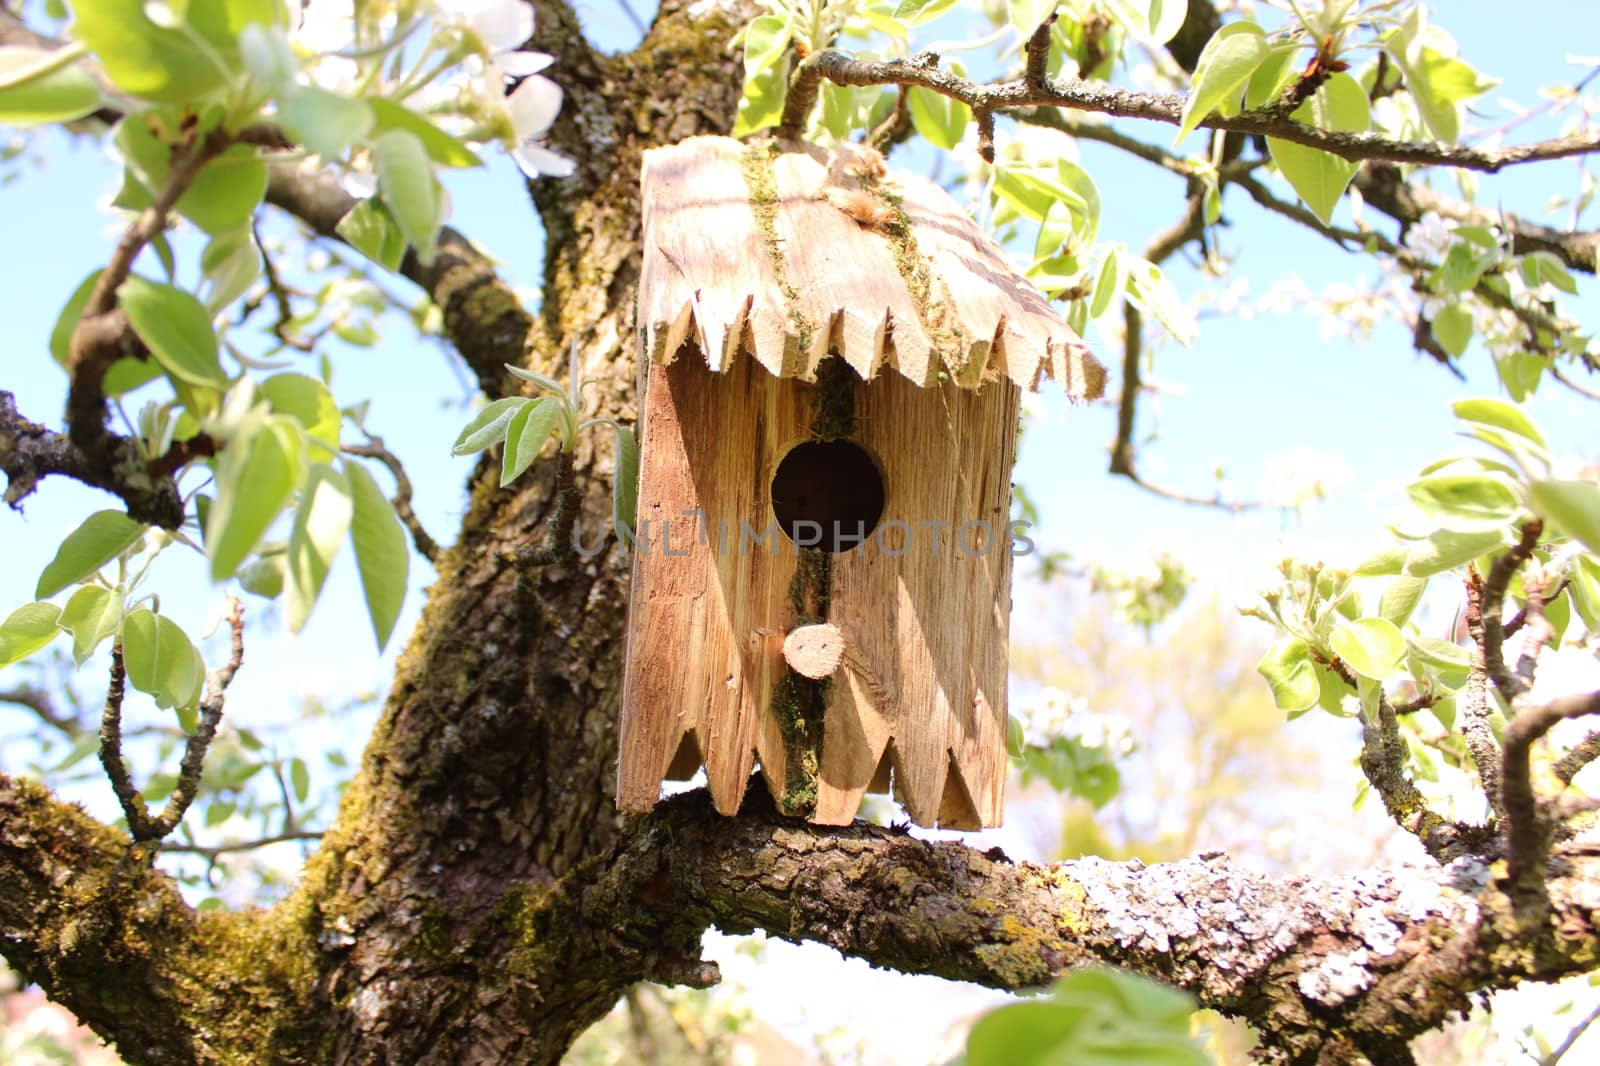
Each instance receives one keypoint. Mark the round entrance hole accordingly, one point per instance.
(828, 495)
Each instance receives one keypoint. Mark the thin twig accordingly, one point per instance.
(923, 71)
(1520, 619)
(401, 500)
(895, 126)
(212, 851)
(141, 826)
(1580, 755)
(1540, 631)
(1490, 633)
(1383, 764)
(1573, 1037)
(280, 298)
(1123, 460)
(558, 545)
(1527, 831)
(43, 707)
(102, 334)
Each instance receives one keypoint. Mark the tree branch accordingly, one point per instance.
(1527, 830)
(103, 335)
(30, 453)
(43, 707)
(1580, 755)
(483, 318)
(141, 825)
(923, 71)
(1490, 632)
(1372, 959)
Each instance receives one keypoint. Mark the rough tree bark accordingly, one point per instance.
(478, 900)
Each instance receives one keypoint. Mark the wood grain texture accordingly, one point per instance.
(817, 280)
(923, 605)
(931, 623)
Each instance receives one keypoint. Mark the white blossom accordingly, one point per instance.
(532, 107)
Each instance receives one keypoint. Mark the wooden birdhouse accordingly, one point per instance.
(831, 358)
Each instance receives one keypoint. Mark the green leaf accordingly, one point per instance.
(1585, 591)
(102, 537)
(1149, 288)
(311, 404)
(916, 12)
(1500, 415)
(1271, 77)
(226, 193)
(761, 104)
(1025, 15)
(938, 118)
(1540, 267)
(1439, 84)
(764, 41)
(1465, 503)
(1572, 505)
(91, 615)
(1390, 561)
(1400, 598)
(141, 638)
(625, 482)
(300, 778)
(255, 479)
(319, 528)
(1452, 328)
(183, 672)
(1319, 177)
(1288, 670)
(382, 555)
(269, 57)
(1372, 647)
(263, 577)
(165, 64)
(59, 95)
(526, 435)
(161, 660)
(218, 812)
(442, 148)
(1108, 284)
(325, 122)
(1463, 267)
(372, 231)
(1165, 17)
(125, 374)
(177, 330)
(405, 177)
(1448, 549)
(1225, 65)
(1440, 654)
(26, 630)
(489, 425)
(1094, 1018)
(230, 264)
(1520, 372)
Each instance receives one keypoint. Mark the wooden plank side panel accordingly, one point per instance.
(708, 607)
(927, 608)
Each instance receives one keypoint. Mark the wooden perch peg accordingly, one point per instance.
(814, 651)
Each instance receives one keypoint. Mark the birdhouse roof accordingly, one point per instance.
(785, 252)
